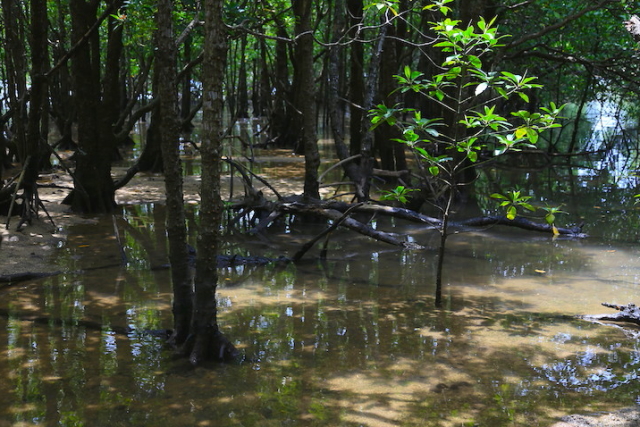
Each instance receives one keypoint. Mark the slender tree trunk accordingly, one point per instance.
(151, 159)
(62, 104)
(356, 77)
(367, 160)
(262, 97)
(306, 97)
(15, 63)
(282, 114)
(242, 110)
(111, 91)
(209, 342)
(390, 158)
(37, 107)
(165, 69)
(336, 113)
(186, 99)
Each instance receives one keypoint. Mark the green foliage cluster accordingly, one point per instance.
(474, 98)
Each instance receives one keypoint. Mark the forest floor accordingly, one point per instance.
(30, 250)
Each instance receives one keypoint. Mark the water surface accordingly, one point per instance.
(353, 340)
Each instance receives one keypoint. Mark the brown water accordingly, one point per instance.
(353, 341)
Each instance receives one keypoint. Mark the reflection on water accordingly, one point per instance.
(353, 340)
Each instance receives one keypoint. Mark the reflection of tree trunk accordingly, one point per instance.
(168, 133)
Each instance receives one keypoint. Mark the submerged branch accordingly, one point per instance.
(629, 313)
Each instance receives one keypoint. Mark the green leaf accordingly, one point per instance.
(527, 206)
(474, 61)
(511, 212)
(481, 88)
(434, 170)
(550, 218)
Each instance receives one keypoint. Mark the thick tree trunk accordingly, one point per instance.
(168, 134)
(93, 190)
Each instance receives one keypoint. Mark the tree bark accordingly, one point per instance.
(37, 108)
(356, 77)
(305, 96)
(165, 70)
(186, 99)
(209, 342)
(281, 116)
(15, 64)
(391, 153)
(94, 191)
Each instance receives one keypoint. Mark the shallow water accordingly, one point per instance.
(354, 340)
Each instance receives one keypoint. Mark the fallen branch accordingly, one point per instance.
(413, 216)
(524, 223)
(350, 223)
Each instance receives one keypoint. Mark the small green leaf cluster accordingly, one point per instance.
(514, 200)
(398, 194)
